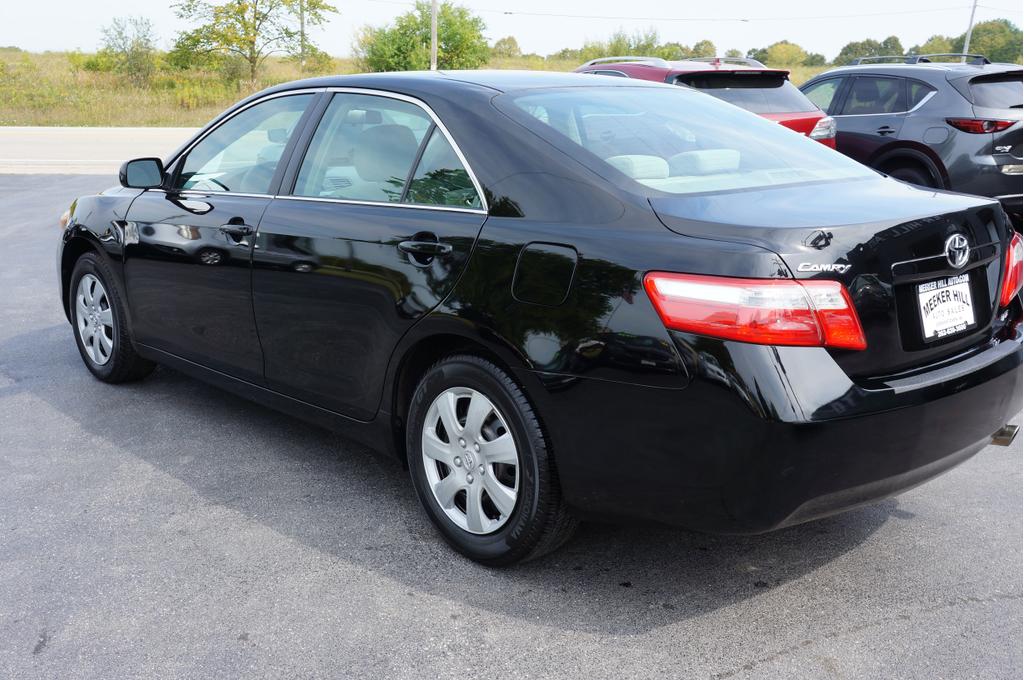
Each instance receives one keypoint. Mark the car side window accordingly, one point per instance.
(441, 178)
(241, 155)
(917, 91)
(875, 94)
(363, 149)
(824, 92)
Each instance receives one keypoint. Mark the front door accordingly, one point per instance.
(188, 249)
(380, 223)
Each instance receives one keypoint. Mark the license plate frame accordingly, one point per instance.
(945, 307)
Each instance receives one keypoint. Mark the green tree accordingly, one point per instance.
(507, 47)
(857, 49)
(733, 53)
(703, 48)
(405, 45)
(249, 29)
(784, 53)
(890, 46)
(131, 44)
(306, 14)
(999, 40)
(937, 44)
(814, 59)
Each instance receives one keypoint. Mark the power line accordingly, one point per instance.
(609, 17)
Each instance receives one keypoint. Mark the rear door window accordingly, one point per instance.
(823, 93)
(998, 92)
(875, 94)
(365, 149)
(756, 92)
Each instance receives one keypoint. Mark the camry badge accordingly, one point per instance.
(811, 267)
(957, 251)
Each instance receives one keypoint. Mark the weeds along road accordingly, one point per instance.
(83, 150)
(168, 529)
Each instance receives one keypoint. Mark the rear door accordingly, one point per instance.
(374, 225)
(870, 116)
(188, 245)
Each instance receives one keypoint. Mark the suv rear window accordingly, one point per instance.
(997, 92)
(675, 141)
(756, 92)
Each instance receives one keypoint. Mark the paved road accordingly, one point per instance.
(83, 150)
(167, 529)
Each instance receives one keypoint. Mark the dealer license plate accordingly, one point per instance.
(946, 306)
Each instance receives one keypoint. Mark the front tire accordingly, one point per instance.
(100, 324)
(481, 466)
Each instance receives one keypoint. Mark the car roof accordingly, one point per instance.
(497, 80)
(937, 70)
(682, 66)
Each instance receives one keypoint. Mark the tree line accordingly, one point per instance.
(236, 37)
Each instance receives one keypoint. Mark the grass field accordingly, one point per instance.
(51, 89)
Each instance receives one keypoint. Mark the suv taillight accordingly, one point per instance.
(1014, 274)
(762, 311)
(824, 131)
(977, 126)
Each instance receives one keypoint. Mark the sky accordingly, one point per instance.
(545, 26)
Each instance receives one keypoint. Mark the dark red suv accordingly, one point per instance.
(747, 83)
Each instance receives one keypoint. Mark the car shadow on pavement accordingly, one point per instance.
(341, 499)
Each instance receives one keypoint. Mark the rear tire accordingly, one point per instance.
(489, 508)
(100, 324)
(912, 175)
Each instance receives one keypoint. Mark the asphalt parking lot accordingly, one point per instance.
(167, 529)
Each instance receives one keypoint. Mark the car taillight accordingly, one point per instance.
(1014, 274)
(977, 126)
(761, 311)
(825, 128)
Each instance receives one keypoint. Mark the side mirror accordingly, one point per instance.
(142, 173)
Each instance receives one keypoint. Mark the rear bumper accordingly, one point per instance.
(763, 437)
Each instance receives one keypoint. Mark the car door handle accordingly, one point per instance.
(885, 130)
(236, 230)
(427, 248)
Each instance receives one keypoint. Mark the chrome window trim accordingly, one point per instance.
(915, 107)
(440, 126)
(383, 204)
(483, 210)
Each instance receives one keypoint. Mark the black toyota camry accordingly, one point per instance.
(558, 296)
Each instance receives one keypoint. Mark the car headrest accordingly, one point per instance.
(363, 117)
(704, 162)
(640, 167)
(384, 152)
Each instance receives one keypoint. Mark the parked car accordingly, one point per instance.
(943, 125)
(745, 82)
(556, 297)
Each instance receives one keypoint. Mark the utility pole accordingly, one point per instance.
(967, 38)
(433, 34)
(302, 36)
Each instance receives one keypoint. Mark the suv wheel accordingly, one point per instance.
(481, 466)
(912, 175)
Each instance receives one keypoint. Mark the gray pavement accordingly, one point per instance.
(167, 529)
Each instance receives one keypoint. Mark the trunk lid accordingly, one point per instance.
(882, 239)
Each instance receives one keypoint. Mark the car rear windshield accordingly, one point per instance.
(998, 92)
(675, 140)
(757, 92)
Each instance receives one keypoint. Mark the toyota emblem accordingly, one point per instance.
(957, 251)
